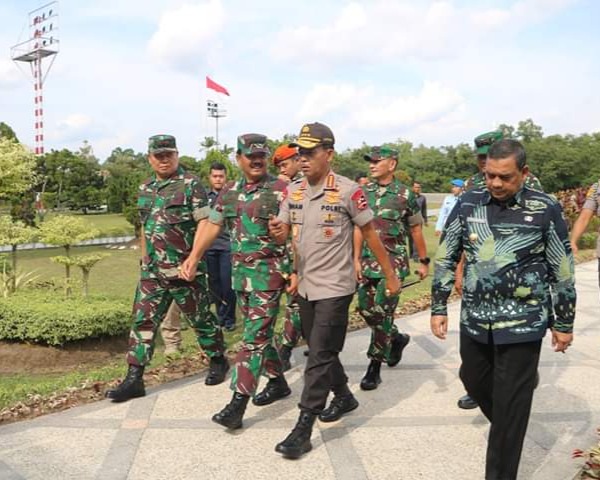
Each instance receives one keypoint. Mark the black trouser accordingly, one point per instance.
(502, 379)
(218, 263)
(324, 324)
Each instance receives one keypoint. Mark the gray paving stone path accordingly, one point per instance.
(409, 428)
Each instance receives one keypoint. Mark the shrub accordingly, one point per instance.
(54, 320)
(588, 241)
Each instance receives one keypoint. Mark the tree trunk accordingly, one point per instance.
(86, 281)
(68, 271)
(13, 280)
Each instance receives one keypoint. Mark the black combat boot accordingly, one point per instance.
(275, 389)
(231, 416)
(340, 405)
(372, 378)
(132, 386)
(297, 443)
(285, 353)
(399, 342)
(217, 370)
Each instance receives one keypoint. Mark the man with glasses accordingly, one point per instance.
(395, 209)
(173, 207)
(260, 269)
(322, 210)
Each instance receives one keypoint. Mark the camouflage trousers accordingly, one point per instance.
(378, 311)
(292, 326)
(258, 355)
(152, 299)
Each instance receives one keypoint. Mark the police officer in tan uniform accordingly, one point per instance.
(322, 211)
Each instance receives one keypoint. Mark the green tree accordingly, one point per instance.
(14, 234)
(7, 132)
(17, 168)
(528, 131)
(66, 231)
(85, 263)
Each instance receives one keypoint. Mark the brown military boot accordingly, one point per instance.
(231, 416)
(297, 443)
(132, 386)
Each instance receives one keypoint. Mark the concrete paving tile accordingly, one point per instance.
(111, 411)
(217, 454)
(55, 453)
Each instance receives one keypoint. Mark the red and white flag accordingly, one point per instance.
(215, 86)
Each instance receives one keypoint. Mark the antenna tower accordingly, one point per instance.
(42, 44)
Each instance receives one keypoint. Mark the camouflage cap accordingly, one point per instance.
(313, 135)
(251, 143)
(162, 143)
(484, 141)
(283, 152)
(377, 153)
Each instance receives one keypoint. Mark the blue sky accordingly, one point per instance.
(431, 72)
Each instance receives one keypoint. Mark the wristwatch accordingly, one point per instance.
(425, 260)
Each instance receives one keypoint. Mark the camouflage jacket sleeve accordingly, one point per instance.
(413, 212)
(199, 200)
(561, 270)
(216, 212)
(448, 256)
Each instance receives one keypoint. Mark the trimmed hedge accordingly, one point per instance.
(55, 320)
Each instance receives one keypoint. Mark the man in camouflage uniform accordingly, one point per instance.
(394, 206)
(483, 143)
(518, 283)
(260, 269)
(590, 207)
(172, 205)
(287, 162)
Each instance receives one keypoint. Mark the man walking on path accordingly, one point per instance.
(172, 206)
(286, 160)
(393, 206)
(322, 210)
(590, 207)
(422, 204)
(518, 282)
(260, 271)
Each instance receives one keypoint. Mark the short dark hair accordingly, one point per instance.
(507, 147)
(416, 182)
(217, 166)
(359, 176)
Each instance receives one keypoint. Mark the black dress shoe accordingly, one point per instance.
(276, 389)
(219, 366)
(306, 352)
(372, 378)
(399, 343)
(338, 407)
(537, 380)
(467, 403)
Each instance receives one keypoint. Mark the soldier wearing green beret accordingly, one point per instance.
(394, 208)
(173, 206)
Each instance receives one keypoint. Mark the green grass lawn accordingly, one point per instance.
(109, 224)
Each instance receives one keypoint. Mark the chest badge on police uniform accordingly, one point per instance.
(328, 232)
(297, 195)
(332, 197)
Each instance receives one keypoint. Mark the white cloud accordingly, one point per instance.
(75, 121)
(10, 76)
(390, 31)
(187, 34)
(364, 109)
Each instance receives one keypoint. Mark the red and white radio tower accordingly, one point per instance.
(42, 43)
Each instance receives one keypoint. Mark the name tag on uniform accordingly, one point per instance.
(476, 220)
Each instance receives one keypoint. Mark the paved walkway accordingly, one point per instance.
(408, 429)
